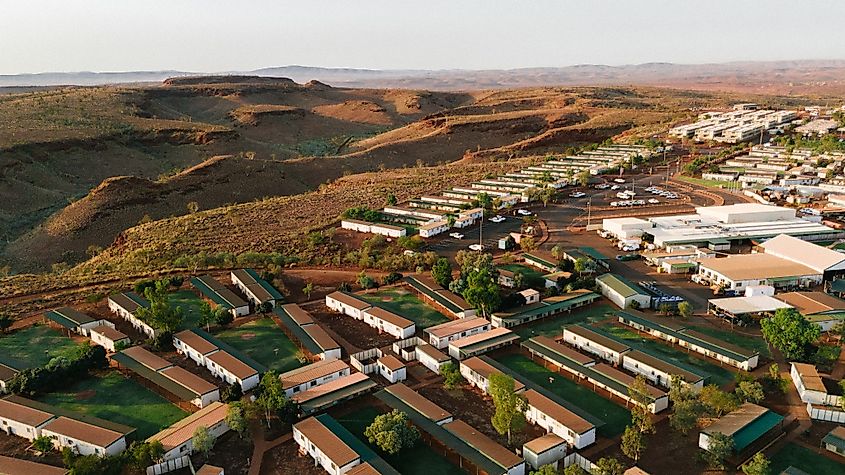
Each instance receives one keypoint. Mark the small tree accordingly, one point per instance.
(510, 406)
(640, 415)
(527, 244)
(392, 432)
(202, 441)
(584, 264)
(544, 470)
(5, 322)
(609, 466)
(758, 465)
(222, 316)
(749, 391)
(307, 289)
(451, 375)
(633, 443)
(272, 398)
(685, 309)
(441, 272)
(482, 292)
(236, 418)
(232, 392)
(207, 315)
(718, 450)
(790, 332)
(685, 415)
(144, 454)
(717, 402)
(518, 279)
(365, 281)
(574, 470)
(160, 314)
(42, 444)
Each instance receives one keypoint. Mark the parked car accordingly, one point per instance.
(614, 187)
(627, 257)
(497, 219)
(653, 201)
(456, 235)
(524, 212)
(476, 247)
(619, 180)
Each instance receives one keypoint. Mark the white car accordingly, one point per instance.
(614, 203)
(524, 212)
(577, 194)
(614, 187)
(654, 201)
(497, 219)
(672, 196)
(619, 180)
(456, 235)
(476, 247)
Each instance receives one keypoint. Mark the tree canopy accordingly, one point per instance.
(790, 333)
(510, 406)
(391, 432)
(160, 314)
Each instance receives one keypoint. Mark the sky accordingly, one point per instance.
(241, 35)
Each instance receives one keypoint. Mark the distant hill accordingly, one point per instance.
(771, 77)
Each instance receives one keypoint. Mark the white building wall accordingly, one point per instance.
(591, 347)
(316, 382)
(579, 441)
(392, 376)
(654, 375)
(12, 427)
(443, 342)
(320, 458)
(103, 341)
(338, 306)
(429, 362)
(187, 448)
(84, 448)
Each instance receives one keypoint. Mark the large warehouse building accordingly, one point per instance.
(716, 226)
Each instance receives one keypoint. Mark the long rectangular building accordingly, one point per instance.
(337, 450)
(302, 327)
(660, 372)
(312, 375)
(593, 342)
(222, 360)
(221, 296)
(126, 306)
(256, 289)
(439, 336)
(442, 298)
(481, 343)
(328, 394)
(548, 307)
(377, 317)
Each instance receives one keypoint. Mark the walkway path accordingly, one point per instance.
(262, 446)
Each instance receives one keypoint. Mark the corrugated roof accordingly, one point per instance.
(311, 372)
(13, 408)
(624, 379)
(664, 366)
(811, 303)
(297, 314)
(69, 317)
(188, 380)
(485, 370)
(209, 470)
(734, 421)
(109, 332)
(183, 431)
(810, 377)
(329, 444)
(562, 415)
(836, 437)
(746, 305)
(483, 444)
(483, 338)
(83, 431)
(146, 358)
(543, 443)
(389, 317)
(217, 292)
(561, 350)
(422, 405)
(350, 300)
(258, 286)
(323, 339)
(13, 466)
(433, 353)
(755, 267)
(330, 387)
(803, 252)
(621, 285)
(196, 341)
(391, 362)
(232, 364)
(456, 326)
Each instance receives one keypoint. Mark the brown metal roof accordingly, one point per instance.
(483, 444)
(563, 350)
(664, 366)
(147, 358)
(109, 332)
(7, 373)
(297, 314)
(625, 378)
(544, 443)
(736, 420)
(391, 362)
(183, 431)
(485, 370)
(311, 372)
(755, 266)
(457, 326)
(95, 435)
(389, 317)
(363, 469)
(488, 335)
(189, 380)
(233, 365)
(810, 377)
(209, 470)
(328, 443)
(15, 408)
(330, 387)
(596, 337)
(433, 353)
(195, 341)
(350, 300)
(414, 399)
(13, 466)
(323, 339)
(569, 419)
(810, 303)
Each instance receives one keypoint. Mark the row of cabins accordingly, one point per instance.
(178, 439)
(545, 308)
(376, 317)
(175, 380)
(84, 435)
(385, 364)
(692, 340)
(600, 375)
(102, 332)
(300, 325)
(16, 466)
(322, 384)
(223, 361)
(476, 452)
(542, 409)
(821, 404)
(440, 298)
(220, 296)
(257, 290)
(126, 305)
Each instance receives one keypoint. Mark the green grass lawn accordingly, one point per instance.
(36, 345)
(406, 304)
(190, 303)
(703, 182)
(742, 341)
(418, 460)
(805, 459)
(263, 341)
(533, 276)
(615, 417)
(714, 374)
(116, 398)
(552, 327)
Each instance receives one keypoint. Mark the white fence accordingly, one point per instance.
(358, 359)
(826, 413)
(401, 347)
(170, 465)
(579, 460)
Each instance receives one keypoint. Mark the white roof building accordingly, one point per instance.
(811, 255)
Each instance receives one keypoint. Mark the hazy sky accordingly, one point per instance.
(213, 35)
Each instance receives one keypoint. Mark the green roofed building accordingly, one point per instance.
(256, 289)
(744, 426)
(73, 320)
(336, 449)
(623, 292)
(541, 261)
(834, 441)
(545, 308)
(220, 295)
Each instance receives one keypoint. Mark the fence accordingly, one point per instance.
(170, 465)
(579, 460)
(400, 348)
(358, 360)
(826, 413)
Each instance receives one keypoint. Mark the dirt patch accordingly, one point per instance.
(85, 395)
(13, 446)
(354, 331)
(230, 452)
(285, 459)
(477, 410)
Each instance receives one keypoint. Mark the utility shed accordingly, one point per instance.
(622, 292)
(745, 425)
(745, 309)
(834, 441)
